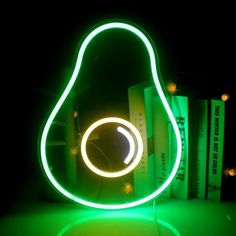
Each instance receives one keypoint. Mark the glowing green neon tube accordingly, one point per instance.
(43, 156)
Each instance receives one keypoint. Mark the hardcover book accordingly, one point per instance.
(198, 146)
(181, 182)
(161, 136)
(216, 146)
(140, 110)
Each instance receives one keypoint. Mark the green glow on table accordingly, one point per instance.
(118, 219)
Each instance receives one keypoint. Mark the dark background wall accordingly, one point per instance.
(196, 46)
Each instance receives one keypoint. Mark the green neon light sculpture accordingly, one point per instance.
(75, 76)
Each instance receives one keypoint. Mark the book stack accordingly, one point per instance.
(201, 126)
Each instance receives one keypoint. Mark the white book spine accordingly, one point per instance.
(140, 110)
(216, 142)
(180, 184)
(161, 136)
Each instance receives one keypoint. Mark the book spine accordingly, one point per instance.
(141, 116)
(161, 137)
(148, 95)
(216, 146)
(180, 184)
(198, 117)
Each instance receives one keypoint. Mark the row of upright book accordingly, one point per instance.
(201, 125)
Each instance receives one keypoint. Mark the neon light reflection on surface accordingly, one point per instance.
(150, 50)
(79, 225)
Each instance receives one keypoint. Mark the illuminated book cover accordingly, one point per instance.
(161, 139)
(180, 185)
(198, 146)
(140, 110)
(216, 146)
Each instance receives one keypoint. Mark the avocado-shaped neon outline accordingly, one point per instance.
(151, 53)
(136, 158)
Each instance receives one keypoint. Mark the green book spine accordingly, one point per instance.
(198, 147)
(161, 137)
(180, 184)
(216, 146)
(140, 109)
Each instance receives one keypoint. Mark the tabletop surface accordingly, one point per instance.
(34, 215)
